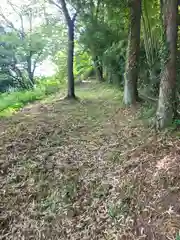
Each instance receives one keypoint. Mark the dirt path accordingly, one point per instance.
(87, 170)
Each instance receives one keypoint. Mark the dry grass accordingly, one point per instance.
(87, 170)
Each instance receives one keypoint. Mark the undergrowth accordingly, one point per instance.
(11, 102)
(147, 110)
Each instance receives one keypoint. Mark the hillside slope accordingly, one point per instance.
(87, 170)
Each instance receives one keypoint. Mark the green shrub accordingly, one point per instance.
(13, 101)
(50, 85)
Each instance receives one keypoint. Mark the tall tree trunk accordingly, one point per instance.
(167, 95)
(133, 51)
(62, 5)
(71, 91)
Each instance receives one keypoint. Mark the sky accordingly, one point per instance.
(45, 69)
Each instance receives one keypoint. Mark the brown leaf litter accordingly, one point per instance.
(87, 170)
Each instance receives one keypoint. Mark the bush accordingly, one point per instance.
(49, 85)
(12, 101)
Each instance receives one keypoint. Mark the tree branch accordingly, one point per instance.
(65, 11)
(9, 23)
(55, 4)
(61, 5)
(14, 7)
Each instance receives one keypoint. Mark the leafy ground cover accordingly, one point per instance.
(87, 170)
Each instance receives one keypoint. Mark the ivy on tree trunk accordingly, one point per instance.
(167, 95)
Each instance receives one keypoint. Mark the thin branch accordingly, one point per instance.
(55, 4)
(65, 11)
(14, 7)
(63, 8)
(22, 32)
(9, 23)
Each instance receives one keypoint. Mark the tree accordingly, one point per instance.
(167, 95)
(24, 43)
(131, 72)
(102, 34)
(70, 21)
(93, 37)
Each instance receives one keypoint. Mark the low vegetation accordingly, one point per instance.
(12, 101)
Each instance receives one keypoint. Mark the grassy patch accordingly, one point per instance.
(107, 92)
(13, 101)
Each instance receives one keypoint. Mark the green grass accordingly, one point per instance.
(13, 101)
(107, 92)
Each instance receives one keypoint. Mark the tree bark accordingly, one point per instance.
(71, 90)
(61, 4)
(167, 95)
(133, 51)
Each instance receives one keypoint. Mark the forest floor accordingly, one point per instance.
(87, 170)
